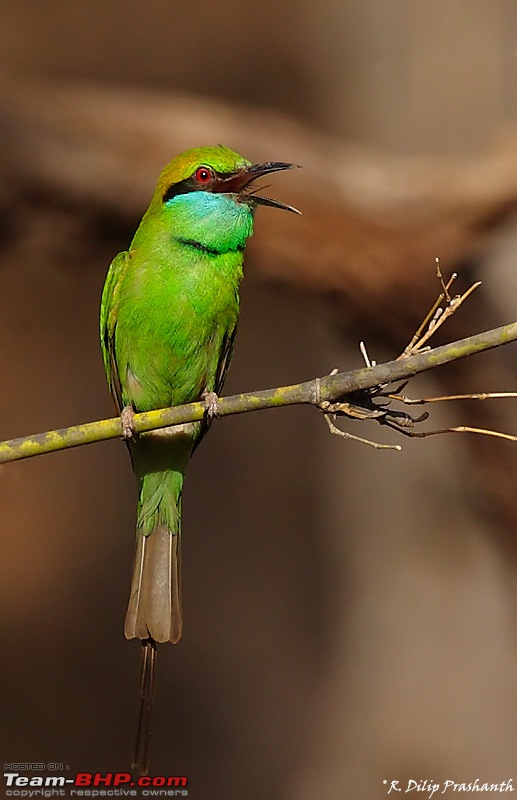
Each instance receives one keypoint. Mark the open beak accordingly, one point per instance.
(241, 184)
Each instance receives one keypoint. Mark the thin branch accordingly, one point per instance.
(420, 401)
(346, 435)
(445, 286)
(330, 388)
(438, 314)
(456, 429)
(444, 294)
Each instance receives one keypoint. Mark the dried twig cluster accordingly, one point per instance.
(375, 403)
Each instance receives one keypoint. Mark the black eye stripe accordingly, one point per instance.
(182, 187)
(191, 185)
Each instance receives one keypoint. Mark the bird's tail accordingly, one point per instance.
(154, 610)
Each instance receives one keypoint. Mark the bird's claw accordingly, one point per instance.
(211, 399)
(126, 417)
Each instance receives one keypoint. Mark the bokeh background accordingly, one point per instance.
(349, 613)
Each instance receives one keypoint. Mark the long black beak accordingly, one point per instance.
(241, 184)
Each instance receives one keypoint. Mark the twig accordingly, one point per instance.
(377, 445)
(420, 401)
(456, 429)
(437, 315)
(330, 388)
(445, 286)
(364, 353)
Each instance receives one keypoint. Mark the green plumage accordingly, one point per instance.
(168, 317)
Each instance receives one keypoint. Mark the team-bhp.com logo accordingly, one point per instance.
(95, 784)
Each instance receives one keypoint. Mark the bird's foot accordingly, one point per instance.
(211, 400)
(126, 417)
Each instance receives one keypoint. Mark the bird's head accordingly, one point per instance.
(205, 198)
(218, 170)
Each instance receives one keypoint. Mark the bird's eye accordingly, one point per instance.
(204, 175)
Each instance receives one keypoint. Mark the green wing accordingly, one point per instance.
(108, 323)
(225, 357)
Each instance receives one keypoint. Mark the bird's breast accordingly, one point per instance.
(172, 325)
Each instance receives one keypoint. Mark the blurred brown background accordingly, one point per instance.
(350, 614)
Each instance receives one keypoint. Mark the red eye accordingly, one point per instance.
(204, 175)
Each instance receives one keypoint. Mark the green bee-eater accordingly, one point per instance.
(168, 317)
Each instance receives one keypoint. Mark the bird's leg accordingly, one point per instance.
(210, 400)
(141, 759)
(126, 417)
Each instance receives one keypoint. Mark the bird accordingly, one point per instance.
(168, 318)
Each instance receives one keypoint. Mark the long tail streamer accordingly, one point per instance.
(143, 734)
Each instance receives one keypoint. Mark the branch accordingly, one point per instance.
(328, 389)
(374, 237)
